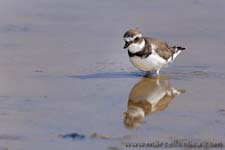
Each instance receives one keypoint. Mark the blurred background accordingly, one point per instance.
(63, 69)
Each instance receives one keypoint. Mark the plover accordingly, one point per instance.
(149, 54)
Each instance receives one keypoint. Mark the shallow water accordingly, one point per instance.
(63, 72)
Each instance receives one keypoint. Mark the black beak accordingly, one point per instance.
(126, 45)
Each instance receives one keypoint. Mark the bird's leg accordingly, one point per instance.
(157, 72)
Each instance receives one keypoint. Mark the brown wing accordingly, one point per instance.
(163, 48)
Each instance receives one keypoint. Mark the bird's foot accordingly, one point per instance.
(152, 74)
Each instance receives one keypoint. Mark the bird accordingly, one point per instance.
(149, 54)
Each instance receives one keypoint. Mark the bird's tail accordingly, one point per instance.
(177, 50)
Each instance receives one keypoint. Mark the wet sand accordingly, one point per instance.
(63, 70)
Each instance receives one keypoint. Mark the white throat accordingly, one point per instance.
(136, 47)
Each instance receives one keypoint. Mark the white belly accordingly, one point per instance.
(151, 63)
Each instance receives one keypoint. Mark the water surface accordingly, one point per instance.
(63, 70)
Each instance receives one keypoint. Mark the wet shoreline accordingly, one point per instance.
(64, 73)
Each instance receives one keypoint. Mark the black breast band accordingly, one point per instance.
(141, 54)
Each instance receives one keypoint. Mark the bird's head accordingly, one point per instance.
(134, 40)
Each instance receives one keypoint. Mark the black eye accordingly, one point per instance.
(136, 39)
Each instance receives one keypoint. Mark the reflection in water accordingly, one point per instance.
(147, 96)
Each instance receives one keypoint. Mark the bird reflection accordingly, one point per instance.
(147, 96)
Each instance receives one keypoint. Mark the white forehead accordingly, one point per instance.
(129, 39)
